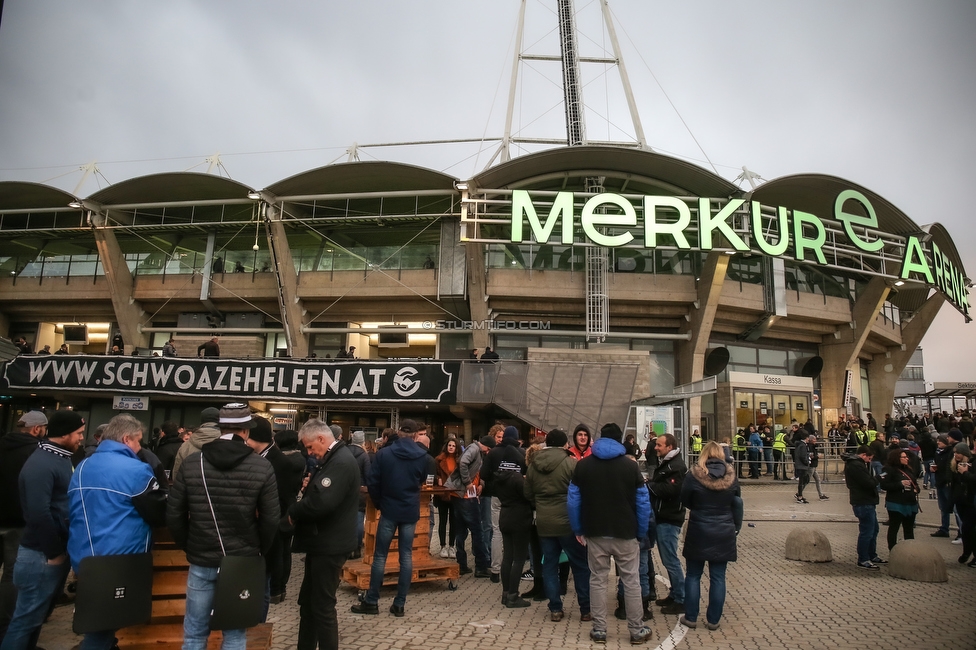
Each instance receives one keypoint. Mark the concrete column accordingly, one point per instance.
(129, 314)
(884, 369)
(292, 310)
(841, 354)
(477, 301)
(691, 354)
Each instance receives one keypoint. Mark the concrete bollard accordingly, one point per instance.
(808, 545)
(918, 561)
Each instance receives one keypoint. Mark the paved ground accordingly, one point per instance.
(772, 603)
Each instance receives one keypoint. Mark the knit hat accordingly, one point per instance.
(612, 431)
(358, 437)
(556, 438)
(33, 419)
(209, 414)
(962, 448)
(61, 423)
(236, 416)
(408, 426)
(943, 438)
(262, 431)
(511, 433)
(488, 441)
(955, 434)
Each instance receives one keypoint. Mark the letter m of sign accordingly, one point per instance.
(562, 208)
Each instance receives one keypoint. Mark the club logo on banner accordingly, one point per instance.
(276, 379)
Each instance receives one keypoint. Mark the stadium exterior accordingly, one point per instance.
(805, 297)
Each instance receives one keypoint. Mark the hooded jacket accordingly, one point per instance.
(394, 481)
(665, 486)
(15, 449)
(206, 432)
(708, 495)
(506, 483)
(244, 497)
(468, 470)
(166, 450)
(607, 497)
(547, 487)
(115, 500)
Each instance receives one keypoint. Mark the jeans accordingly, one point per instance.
(576, 552)
(625, 553)
(98, 640)
(768, 456)
(37, 584)
(467, 517)
(716, 590)
(319, 624)
(488, 528)
(667, 546)
(200, 585)
(867, 532)
(360, 529)
(8, 592)
(755, 462)
(945, 506)
(384, 537)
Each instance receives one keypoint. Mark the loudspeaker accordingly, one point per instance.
(811, 367)
(716, 361)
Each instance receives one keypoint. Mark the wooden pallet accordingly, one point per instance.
(356, 573)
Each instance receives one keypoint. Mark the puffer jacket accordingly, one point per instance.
(245, 503)
(607, 497)
(708, 495)
(546, 486)
(207, 432)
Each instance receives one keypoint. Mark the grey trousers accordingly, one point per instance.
(496, 537)
(626, 554)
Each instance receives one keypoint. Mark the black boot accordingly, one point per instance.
(514, 601)
(621, 612)
(648, 614)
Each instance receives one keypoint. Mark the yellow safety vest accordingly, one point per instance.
(696, 444)
(779, 442)
(872, 435)
(738, 443)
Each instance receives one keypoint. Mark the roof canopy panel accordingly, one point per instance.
(16, 195)
(171, 188)
(347, 178)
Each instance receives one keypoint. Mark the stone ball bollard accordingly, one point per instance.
(918, 561)
(808, 545)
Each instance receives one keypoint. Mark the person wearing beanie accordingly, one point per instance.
(503, 473)
(863, 486)
(206, 432)
(169, 444)
(609, 512)
(491, 509)
(42, 558)
(962, 483)
(940, 467)
(288, 476)
(357, 440)
(580, 442)
(547, 487)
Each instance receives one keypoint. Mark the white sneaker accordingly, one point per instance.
(957, 541)
(445, 552)
(451, 552)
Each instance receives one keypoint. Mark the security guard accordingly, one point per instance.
(696, 442)
(779, 455)
(739, 452)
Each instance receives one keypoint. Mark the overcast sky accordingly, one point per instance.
(880, 92)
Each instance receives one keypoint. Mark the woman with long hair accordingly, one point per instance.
(447, 462)
(900, 482)
(710, 491)
(581, 442)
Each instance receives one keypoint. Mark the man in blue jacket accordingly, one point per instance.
(42, 564)
(395, 477)
(115, 502)
(609, 510)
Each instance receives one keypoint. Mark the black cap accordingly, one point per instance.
(262, 431)
(62, 423)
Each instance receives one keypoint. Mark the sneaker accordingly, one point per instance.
(798, 498)
(957, 540)
(673, 608)
(586, 617)
(451, 552)
(824, 497)
(598, 636)
(445, 553)
(711, 626)
(528, 575)
(871, 566)
(664, 601)
(878, 560)
(940, 533)
(689, 624)
(640, 636)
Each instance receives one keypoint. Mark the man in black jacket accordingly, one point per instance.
(864, 501)
(288, 477)
(665, 487)
(325, 530)
(169, 444)
(15, 448)
(356, 441)
(224, 501)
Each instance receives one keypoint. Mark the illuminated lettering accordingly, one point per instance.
(803, 243)
(652, 228)
(850, 220)
(590, 219)
(562, 208)
(915, 261)
(757, 231)
(707, 222)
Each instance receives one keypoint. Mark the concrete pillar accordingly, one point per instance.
(292, 310)
(691, 354)
(129, 314)
(884, 369)
(841, 354)
(477, 300)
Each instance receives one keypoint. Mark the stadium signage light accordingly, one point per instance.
(802, 233)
